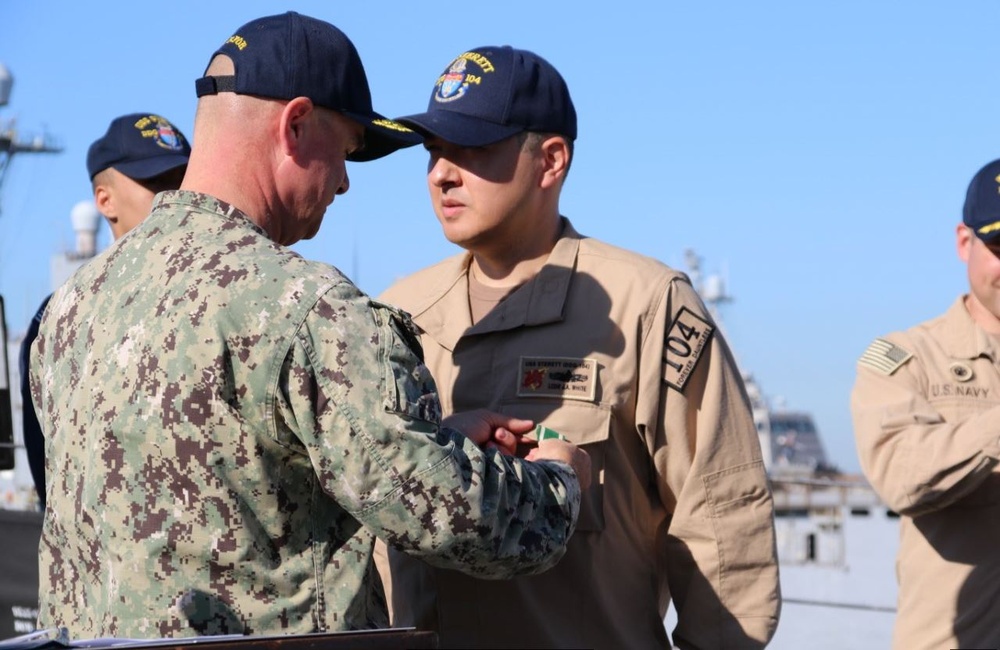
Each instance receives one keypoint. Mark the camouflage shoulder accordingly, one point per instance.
(393, 311)
(884, 357)
(402, 324)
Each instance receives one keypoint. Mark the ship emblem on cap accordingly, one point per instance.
(452, 85)
(167, 137)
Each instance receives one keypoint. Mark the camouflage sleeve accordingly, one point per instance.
(366, 409)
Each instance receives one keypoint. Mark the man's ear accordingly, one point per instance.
(963, 242)
(293, 123)
(105, 202)
(555, 160)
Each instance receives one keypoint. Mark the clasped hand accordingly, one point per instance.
(505, 433)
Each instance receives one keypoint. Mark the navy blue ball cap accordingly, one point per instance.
(139, 145)
(491, 93)
(291, 55)
(982, 203)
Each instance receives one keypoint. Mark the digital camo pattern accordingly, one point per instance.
(229, 426)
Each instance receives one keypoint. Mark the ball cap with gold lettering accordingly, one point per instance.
(291, 55)
(140, 146)
(982, 203)
(491, 93)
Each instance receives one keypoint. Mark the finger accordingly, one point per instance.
(503, 450)
(505, 441)
(517, 425)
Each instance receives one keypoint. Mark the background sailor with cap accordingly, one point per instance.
(228, 425)
(926, 408)
(139, 155)
(615, 350)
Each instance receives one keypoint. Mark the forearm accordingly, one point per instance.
(369, 419)
(722, 561)
(483, 513)
(915, 459)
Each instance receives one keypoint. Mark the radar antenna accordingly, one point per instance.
(712, 288)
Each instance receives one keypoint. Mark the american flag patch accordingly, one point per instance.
(884, 357)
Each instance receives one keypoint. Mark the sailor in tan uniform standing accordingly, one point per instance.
(926, 407)
(610, 348)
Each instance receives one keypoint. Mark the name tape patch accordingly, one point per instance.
(683, 346)
(884, 357)
(562, 377)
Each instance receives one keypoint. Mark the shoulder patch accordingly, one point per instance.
(884, 357)
(682, 347)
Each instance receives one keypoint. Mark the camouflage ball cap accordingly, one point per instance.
(290, 55)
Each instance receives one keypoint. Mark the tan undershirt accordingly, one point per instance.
(483, 298)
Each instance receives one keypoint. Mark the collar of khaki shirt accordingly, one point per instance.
(442, 310)
(962, 338)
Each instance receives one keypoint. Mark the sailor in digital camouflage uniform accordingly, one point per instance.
(926, 409)
(612, 348)
(228, 426)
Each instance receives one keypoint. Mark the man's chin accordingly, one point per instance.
(457, 236)
(313, 229)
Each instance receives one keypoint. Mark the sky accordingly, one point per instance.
(815, 155)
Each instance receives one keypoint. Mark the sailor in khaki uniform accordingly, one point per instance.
(926, 407)
(610, 348)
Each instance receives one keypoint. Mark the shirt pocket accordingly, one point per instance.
(740, 507)
(584, 424)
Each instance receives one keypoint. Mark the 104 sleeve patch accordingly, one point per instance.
(683, 346)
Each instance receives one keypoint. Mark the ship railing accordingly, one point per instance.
(835, 605)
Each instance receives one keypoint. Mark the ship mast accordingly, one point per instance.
(713, 293)
(10, 141)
